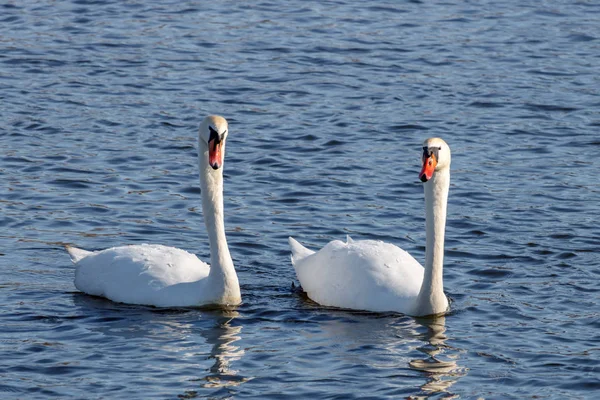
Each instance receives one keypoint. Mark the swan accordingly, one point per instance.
(376, 276)
(164, 276)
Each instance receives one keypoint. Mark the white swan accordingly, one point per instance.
(377, 276)
(166, 276)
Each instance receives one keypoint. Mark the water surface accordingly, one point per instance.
(328, 104)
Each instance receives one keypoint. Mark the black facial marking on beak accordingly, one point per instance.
(214, 135)
(428, 151)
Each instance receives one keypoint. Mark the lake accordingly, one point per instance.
(328, 104)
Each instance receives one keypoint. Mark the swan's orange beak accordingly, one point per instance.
(429, 164)
(215, 153)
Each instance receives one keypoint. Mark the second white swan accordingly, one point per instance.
(376, 276)
(167, 276)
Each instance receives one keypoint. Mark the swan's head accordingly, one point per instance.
(213, 133)
(436, 157)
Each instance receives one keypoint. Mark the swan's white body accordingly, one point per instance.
(377, 276)
(361, 275)
(144, 274)
(166, 276)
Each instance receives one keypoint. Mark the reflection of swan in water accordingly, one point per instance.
(372, 343)
(441, 373)
(222, 338)
(123, 321)
(195, 337)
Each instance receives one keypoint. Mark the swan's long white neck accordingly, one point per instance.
(222, 276)
(431, 299)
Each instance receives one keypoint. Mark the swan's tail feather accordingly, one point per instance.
(299, 252)
(77, 254)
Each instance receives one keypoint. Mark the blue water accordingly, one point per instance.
(328, 104)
